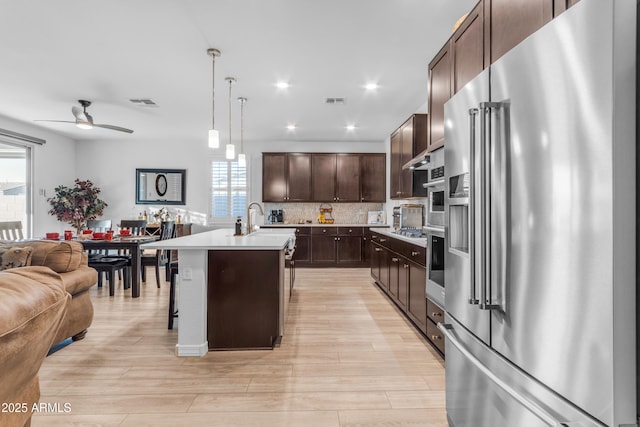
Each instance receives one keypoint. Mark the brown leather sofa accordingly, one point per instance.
(69, 260)
(32, 307)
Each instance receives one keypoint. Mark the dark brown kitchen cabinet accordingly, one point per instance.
(286, 177)
(394, 265)
(469, 56)
(373, 177)
(435, 315)
(302, 254)
(511, 21)
(348, 178)
(439, 93)
(323, 245)
(417, 297)
(335, 177)
(406, 142)
(349, 245)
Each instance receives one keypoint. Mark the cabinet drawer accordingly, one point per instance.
(414, 253)
(324, 231)
(434, 312)
(350, 231)
(435, 336)
(303, 231)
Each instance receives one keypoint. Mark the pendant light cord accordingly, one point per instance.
(213, 95)
(230, 84)
(242, 125)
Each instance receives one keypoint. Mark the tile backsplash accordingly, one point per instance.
(343, 213)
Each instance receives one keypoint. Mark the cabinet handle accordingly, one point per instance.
(383, 240)
(406, 266)
(395, 259)
(338, 198)
(436, 314)
(335, 239)
(364, 238)
(324, 230)
(378, 249)
(414, 253)
(435, 337)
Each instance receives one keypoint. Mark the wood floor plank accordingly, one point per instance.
(349, 358)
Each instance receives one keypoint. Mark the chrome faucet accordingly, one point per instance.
(249, 226)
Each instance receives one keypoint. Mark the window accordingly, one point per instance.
(228, 190)
(15, 184)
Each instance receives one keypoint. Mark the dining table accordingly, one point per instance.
(130, 243)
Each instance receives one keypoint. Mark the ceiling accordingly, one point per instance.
(55, 53)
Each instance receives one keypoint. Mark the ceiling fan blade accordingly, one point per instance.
(118, 128)
(55, 121)
(79, 114)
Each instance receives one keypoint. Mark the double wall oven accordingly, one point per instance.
(435, 228)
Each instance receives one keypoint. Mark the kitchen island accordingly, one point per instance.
(231, 289)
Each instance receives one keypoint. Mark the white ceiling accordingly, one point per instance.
(56, 52)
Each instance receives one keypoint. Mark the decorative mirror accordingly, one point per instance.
(161, 186)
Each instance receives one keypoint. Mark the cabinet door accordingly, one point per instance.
(274, 177)
(406, 154)
(349, 249)
(348, 178)
(385, 262)
(467, 48)
(511, 21)
(323, 249)
(417, 298)
(299, 177)
(439, 93)
(403, 282)
(376, 259)
(373, 175)
(303, 249)
(323, 168)
(396, 167)
(420, 134)
(394, 266)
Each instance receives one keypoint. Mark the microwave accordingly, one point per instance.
(435, 189)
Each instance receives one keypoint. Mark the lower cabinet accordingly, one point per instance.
(399, 269)
(332, 246)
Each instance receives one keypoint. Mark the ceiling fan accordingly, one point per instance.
(84, 119)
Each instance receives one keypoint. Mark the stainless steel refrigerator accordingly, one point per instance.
(540, 211)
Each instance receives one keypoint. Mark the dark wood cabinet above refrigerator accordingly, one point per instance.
(407, 141)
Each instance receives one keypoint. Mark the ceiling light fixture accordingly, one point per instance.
(242, 159)
(371, 86)
(291, 127)
(282, 85)
(230, 149)
(351, 127)
(214, 135)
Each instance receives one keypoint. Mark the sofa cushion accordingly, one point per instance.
(32, 305)
(61, 257)
(79, 280)
(14, 257)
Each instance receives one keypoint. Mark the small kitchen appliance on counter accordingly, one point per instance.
(408, 216)
(276, 216)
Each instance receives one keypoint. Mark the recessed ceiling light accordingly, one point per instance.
(282, 85)
(371, 86)
(351, 127)
(291, 127)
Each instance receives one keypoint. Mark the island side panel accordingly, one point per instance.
(192, 325)
(243, 298)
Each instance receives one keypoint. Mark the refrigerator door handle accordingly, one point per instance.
(486, 151)
(448, 331)
(473, 298)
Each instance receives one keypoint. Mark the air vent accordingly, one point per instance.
(143, 102)
(335, 101)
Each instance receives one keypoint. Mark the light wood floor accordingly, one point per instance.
(349, 358)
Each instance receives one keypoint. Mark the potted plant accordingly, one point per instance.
(75, 205)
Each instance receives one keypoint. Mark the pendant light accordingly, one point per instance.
(231, 149)
(242, 159)
(214, 135)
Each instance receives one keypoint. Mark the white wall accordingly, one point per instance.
(54, 164)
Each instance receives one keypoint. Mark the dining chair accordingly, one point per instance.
(138, 227)
(108, 264)
(160, 257)
(11, 230)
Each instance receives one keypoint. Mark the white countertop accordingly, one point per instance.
(418, 241)
(315, 224)
(224, 239)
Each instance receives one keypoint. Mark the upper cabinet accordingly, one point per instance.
(406, 142)
(323, 177)
(286, 177)
(511, 21)
(491, 29)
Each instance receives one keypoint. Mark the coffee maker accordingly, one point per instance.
(276, 216)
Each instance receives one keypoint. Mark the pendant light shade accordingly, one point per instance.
(214, 135)
(230, 149)
(242, 159)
